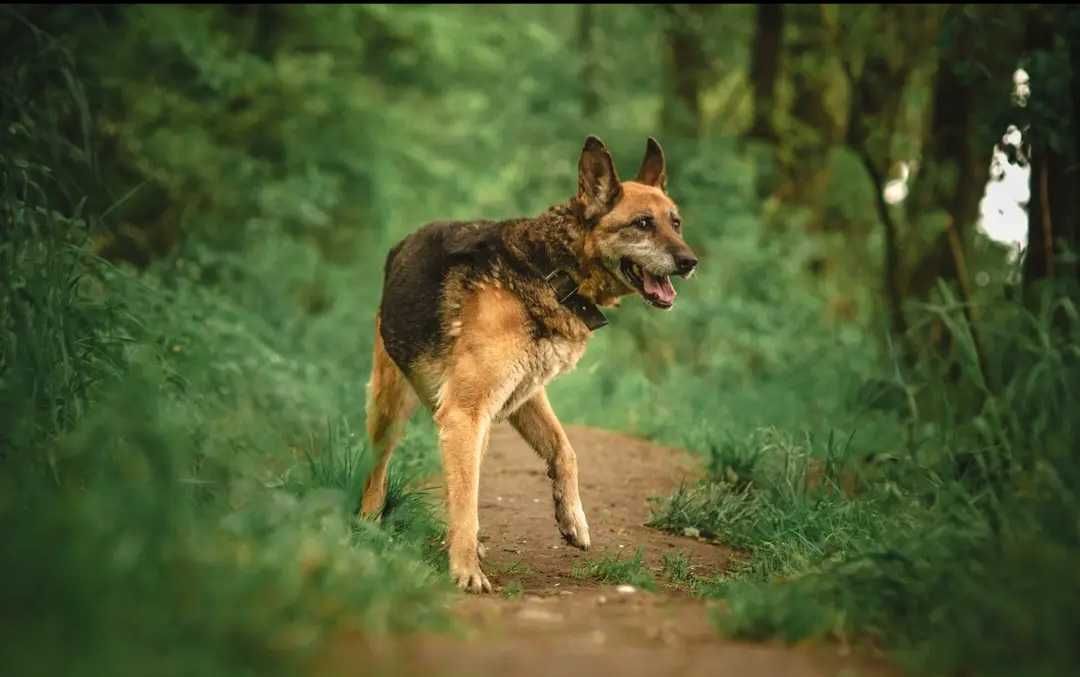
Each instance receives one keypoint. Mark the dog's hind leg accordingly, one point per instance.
(536, 422)
(391, 401)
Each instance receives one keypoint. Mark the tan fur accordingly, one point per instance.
(484, 369)
(638, 197)
(494, 370)
(536, 422)
(390, 403)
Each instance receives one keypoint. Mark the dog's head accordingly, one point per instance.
(634, 231)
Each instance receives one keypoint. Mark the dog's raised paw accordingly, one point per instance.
(573, 525)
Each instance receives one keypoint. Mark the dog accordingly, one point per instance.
(477, 317)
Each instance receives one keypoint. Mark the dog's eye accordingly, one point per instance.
(644, 223)
(677, 225)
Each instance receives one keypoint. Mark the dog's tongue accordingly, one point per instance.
(659, 288)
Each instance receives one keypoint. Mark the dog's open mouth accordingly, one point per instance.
(656, 289)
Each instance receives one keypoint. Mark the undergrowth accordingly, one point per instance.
(957, 537)
(179, 479)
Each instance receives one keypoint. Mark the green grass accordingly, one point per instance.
(676, 566)
(518, 568)
(678, 571)
(617, 570)
(780, 507)
(513, 590)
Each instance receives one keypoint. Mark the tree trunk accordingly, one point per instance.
(951, 179)
(952, 175)
(764, 68)
(1045, 212)
(1050, 221)
(687, 67)
(874, 109)
(875, 100)
(803, 164)
(893, 294)
(1073, 177)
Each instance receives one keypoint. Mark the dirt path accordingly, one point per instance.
(618, 474)
(556, 624)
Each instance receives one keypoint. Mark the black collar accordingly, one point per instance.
(566, 291)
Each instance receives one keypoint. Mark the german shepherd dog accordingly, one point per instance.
(477, 317)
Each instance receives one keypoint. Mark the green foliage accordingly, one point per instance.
(615, 569)
(173, 497)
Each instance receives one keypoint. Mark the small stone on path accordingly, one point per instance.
(533, 614)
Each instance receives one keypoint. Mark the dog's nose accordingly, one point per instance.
(685, 264)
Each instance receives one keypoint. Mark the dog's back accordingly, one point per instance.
(414, 277)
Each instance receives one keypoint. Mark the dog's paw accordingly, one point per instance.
(373, 499)
(572, 524)
(371, 507)
(471, 579)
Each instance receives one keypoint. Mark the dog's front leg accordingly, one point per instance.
(481, 372)
(461, 435)
(535, 420)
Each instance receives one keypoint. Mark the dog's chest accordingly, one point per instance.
(554, 356)
(542, 362)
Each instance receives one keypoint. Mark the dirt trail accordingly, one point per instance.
(561, 625)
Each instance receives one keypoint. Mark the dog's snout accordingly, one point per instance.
(685, 263)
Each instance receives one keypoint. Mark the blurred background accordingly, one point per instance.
(196, 206)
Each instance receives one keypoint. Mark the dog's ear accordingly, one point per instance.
(653, 170)
(598, 183)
